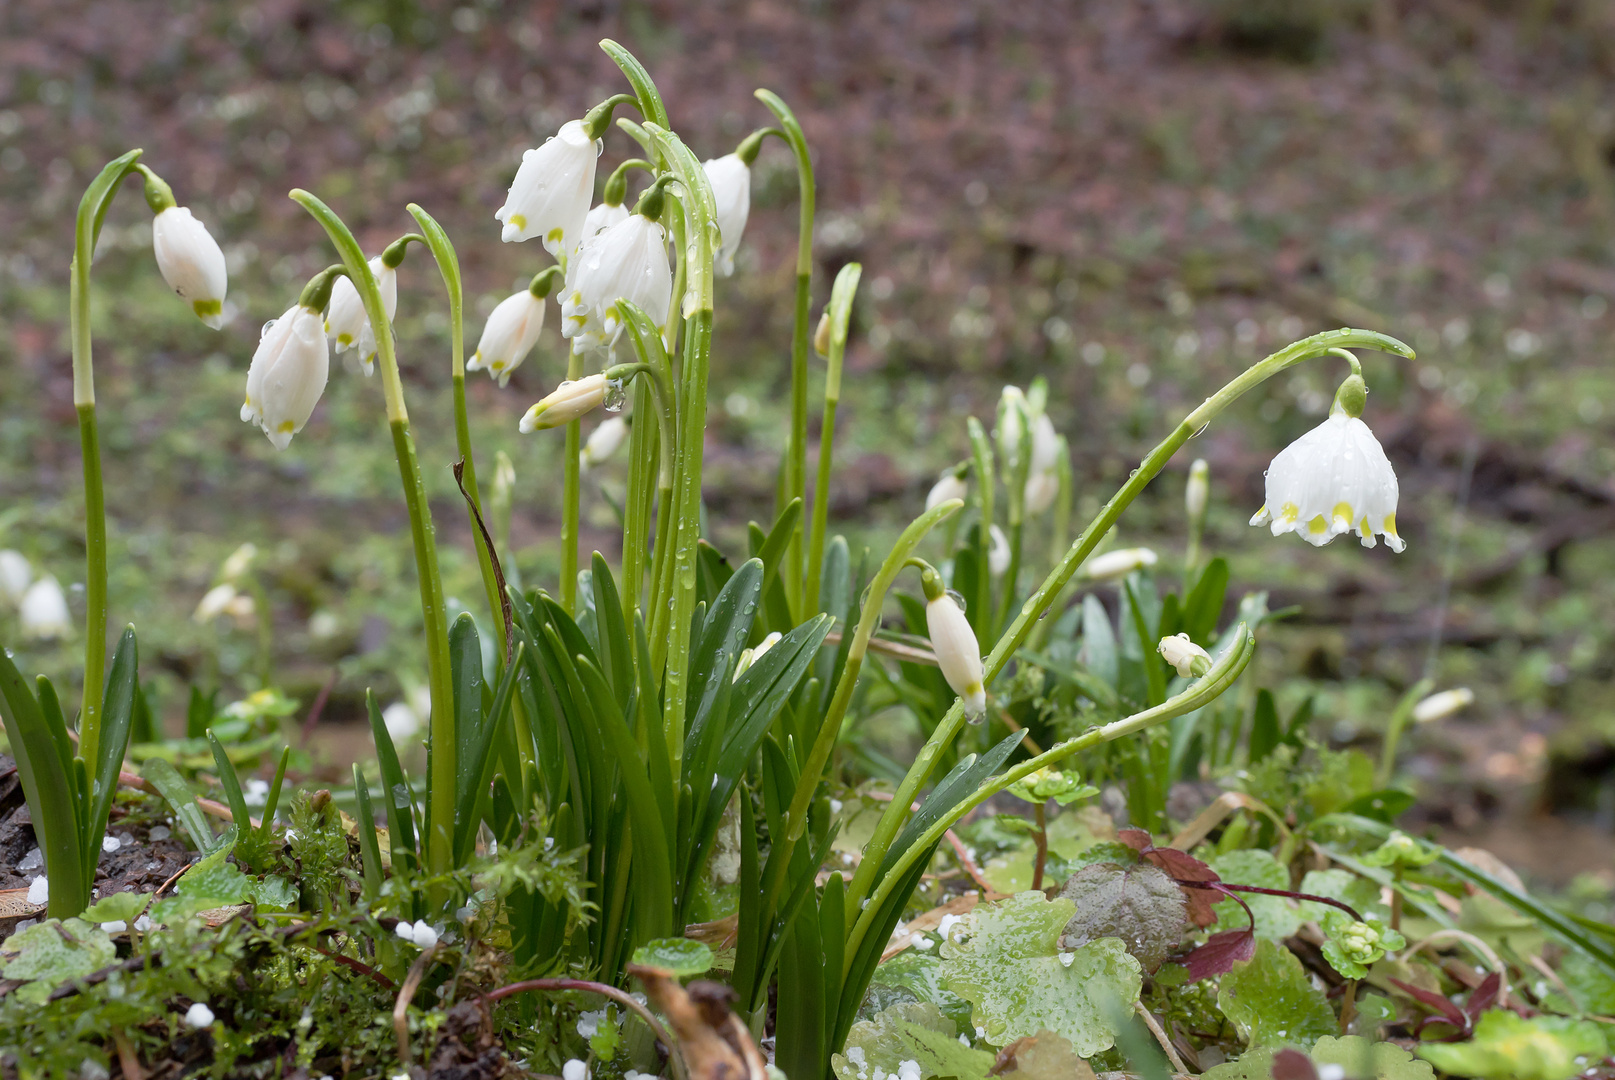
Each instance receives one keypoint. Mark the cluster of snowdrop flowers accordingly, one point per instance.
(958, 654)
(1335, 478)
(626, 261)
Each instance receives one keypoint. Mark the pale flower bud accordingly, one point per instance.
(821, 335)
(1442, 705)
(604, 441)
(1045, 444)
(1118, 564)
(43, 610)
(287, 375)
(569, 401)
(603, 216)
(1012, 424)
(997, 552)
(957, 653)
(730, 178)
(1184, 655)
(1198, 491)
(191, 262)
(950, 486)
(15, 575)
(748, 657)
(238, 562)
(508, 336)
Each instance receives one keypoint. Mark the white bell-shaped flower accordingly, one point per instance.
(570, 401)
(627, 261)
(957, 652)
(1333, 480)
(950, 486)
(1045, 444)
(604, 441)
(730, 178)
(603, 216)
(15, 575)
(191, 262)
(43, 611)
(1118, 564)
(1442, 705)
(508, 336)
(1042, 488)
(346, 323)
(287, 375)
(549, 198)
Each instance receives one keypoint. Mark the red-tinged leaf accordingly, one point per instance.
(1180, 865)
(1220, 953)
(1483, 997)
(1450, 1013)
(1293, 1065)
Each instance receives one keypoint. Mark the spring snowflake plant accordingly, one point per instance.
(653, 737)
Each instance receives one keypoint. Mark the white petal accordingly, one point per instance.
(731, 195)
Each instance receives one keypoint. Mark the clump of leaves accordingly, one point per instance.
(1351, 1055)
(1139, 903)
(320, 848)
(1351, 946)
(1510, 1047)
(1272, 1000)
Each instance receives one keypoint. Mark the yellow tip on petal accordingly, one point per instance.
(1289, 513)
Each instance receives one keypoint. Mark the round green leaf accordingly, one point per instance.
(681, 956)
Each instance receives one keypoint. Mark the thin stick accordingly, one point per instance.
(1160, 1036)
(412, 982)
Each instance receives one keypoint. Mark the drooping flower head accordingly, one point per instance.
(570, 401)
(549, 198)
(1334, 479)
(953, 641)
(951, 485)
(346, 322)
(730, 177)
(512, 329)
(288, 374)
(625, 261)
(187, 255)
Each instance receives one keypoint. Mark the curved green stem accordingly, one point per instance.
(1040, 601)
(1222, 675)
(841, 296)
(796, 459)
(1394, 729)
(442, 746)
(830, 727)
(92, 212)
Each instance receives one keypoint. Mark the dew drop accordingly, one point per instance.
(265, 331)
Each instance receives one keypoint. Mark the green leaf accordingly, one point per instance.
(683, 957)
(118, 907)
(1275, 917)
(920, 975)
(1011, 969)
(117, 710)
(910, 1031)
(1343, 885)
(941, 1055)
(1272, 1000)
(1509, 1047)
(50, 953)
(1360, 1058)
(1140, 904)
(1592, 986)
(1265, 734)
(44, 767)
(396, 796)
(182, 800)
(1203, 606)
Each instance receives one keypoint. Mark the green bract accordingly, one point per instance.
(1353, 946)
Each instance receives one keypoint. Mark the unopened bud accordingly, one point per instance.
(1117, 564)
(1442, 705)
(571, 400)
(958, 654)
(1198, 492)
(821, 336)
(1188, 658)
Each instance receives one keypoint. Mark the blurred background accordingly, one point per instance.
(1131, 199)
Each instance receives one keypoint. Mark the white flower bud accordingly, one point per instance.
(1184, 655)
(401, 721)
(1041, 490)
(1045, 444)
(1011, 432)
(287, 375)
(238, 561)
(1442, 705)
(627, 261)
(43, 611)
(748, 657)
(730, 178)
(1118, 564)
(997, 552)
(509, 335)
(346, 323)
(1198, 491)
(15, 575)
(957, 653)
(198, 1016)
(215, 603)
(569, 401)
(191, 262)
(950, 486)
(604, 441)
(549, 198)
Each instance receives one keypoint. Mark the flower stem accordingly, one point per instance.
(86, 228)
(796, 460)
(442, 747)
(1039, 602)
(841, 295)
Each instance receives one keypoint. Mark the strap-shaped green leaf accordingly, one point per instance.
(714, 655)
(117, 710)
(182, 800)
(1203, 606)
(397, 798)
(369, 846)
(48, 787)
(50, 708)
(611, 632)
(465, 668)
(955, 787)
(476, 758)
(230, 782)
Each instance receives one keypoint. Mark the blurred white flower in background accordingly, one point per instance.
(730, 178)
(43, 611)
(15, 575)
